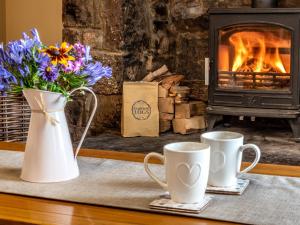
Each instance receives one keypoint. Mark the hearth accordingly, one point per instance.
(254, 64)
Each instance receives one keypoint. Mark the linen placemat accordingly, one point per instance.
(123, 184)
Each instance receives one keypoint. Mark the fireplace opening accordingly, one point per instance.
(254, 57)
(254, 65)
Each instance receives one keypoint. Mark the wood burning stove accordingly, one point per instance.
(254, 64)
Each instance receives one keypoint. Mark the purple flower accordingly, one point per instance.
(36, 36)
(77, 65)
(23, 49)
(95, 71)
(24, 71)
(48, 72)
(4, 73)
(68, 68)
(73, 66)
(106, 71)
(27, 43)
(79, 50)
(40, 58)
(6, 78)
(15, 52)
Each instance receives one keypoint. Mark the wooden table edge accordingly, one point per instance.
(261, 168)
(43, 211)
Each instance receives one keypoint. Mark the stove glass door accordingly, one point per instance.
(254, 57)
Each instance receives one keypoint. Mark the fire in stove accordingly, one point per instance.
(254, 58)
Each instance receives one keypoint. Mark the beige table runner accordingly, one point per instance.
(123, 184)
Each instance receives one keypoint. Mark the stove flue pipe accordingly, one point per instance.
(264, 3)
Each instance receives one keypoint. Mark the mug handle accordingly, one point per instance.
(257, 156)
(90, 119)
(155, 178)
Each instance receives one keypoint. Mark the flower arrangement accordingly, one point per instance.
(27, 63)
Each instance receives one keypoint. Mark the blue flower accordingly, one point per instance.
(106, 71)
(48, 72)
(95, 71)
(27, 42)
(23, 49)
(6, 78)
(40, 58)
(24, 71)
(5, 74)
(36, 36)
(15, 52)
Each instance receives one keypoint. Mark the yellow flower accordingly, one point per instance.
(59, 55)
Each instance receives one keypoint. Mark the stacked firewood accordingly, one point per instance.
(177, 110)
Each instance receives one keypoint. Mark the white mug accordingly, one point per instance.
(186, 167)
(226, 156)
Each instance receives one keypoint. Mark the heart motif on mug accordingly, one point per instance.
(184, 171)
(217, 161)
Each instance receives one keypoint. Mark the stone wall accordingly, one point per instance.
(100, 24)
(137, 36)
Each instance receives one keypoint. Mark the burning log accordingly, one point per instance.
(251, 65)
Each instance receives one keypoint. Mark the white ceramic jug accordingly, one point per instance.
(49, 155)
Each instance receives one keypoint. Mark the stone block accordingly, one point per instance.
(137, 38)
(76, 116)
(108, 113)
(107, 86)
(78, 13)
(109, 19)
(186, 9)
(116, 61)
(93, 37)
(191, 51)
(72, 35)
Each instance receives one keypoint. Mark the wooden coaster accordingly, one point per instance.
(237, 189)
(166, 204)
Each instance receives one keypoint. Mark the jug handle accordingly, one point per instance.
(90, 119)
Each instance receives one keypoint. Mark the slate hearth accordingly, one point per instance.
(277, 145)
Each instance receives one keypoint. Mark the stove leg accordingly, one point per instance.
(212, 119)
(295, 125)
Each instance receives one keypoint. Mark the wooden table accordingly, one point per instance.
(27, 210)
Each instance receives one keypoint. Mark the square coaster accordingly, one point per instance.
(166, 204)
(236, 189)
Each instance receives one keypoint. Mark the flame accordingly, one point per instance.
(258, 52)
